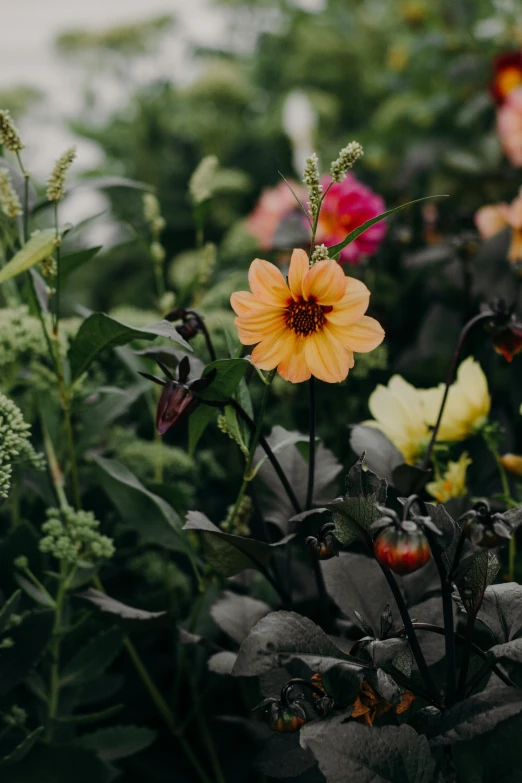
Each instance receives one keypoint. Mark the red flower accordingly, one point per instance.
(507, 75)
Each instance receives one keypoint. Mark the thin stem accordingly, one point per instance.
(58, 270)
(449, 380)
(316, 219)
(420, 660)
(26, 177)
(205, 332)
(510, 503)
(311, 454)
(54, 681)
(463, 674)
(269, 453)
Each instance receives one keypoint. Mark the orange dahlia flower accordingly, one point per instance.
(308, 326)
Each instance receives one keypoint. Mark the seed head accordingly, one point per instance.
(56, 182)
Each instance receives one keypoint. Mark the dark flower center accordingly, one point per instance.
(306, 317)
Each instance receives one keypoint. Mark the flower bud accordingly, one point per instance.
(512, 463)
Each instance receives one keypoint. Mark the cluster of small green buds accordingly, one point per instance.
(56, 182)
(21, 562)
(347, 157)
(49, 267)
(208, 262)
(152, 214)
(74, 537)
(6, 643)
(157, 252)
(15, 447)
(312, 180)
(241, 521)
(16, 718)
(9, 201)
(202, 180)
(9, 134)
(320, 254)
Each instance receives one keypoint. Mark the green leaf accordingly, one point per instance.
(93, 658)
(226, 553)
(284, 636)
(99, 332)
(117, 742)
(335, 250)
(382, 457)
(34, 592)
(102, 183)
(71, 261)
(8, 609)
(228, 375)
(198, 422)
(491, 757)
(61, 764)
(501, 610)
(111, 606)
(39, 247)
(150, 516)
(91, 717)
(30, 640)
(473, 576)
(350, 751)
(23, 748)
(355, 513)
(237, 614)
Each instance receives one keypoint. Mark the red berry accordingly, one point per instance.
(401, 551)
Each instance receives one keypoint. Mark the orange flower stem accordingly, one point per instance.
(311, 450)
(487, 314)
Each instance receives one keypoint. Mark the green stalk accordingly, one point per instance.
(508, 499)
(54, 682)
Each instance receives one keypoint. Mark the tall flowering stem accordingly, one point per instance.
(484, 316)
(311, 451)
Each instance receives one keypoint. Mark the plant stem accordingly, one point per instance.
(54, 682)
(510, 503)
(26, 176)
(463, 674)
(451, 375)
(420, 660)
(316, 219)
(205, 332)
(58, 270)
(311, 451)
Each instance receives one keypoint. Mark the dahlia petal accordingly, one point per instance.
(268, 284)
(272, 350)
(259, 324)
(295, 367)
(325, 282)
(327, 359)
(362, 336)
(352, 306)
(243, 301)
(299, 266)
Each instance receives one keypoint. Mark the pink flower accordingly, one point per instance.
(509, 126)
(348, 205)
(494, 217)
(273, 206)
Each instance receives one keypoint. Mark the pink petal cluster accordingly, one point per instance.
(348, 205)
(273, 206)
(509, 126)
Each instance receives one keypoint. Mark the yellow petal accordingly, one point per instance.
(327, 359)
(295, 367)
(243, 301)
(325, 282)
(352, 306)
(299, 266)
(362, 336)
(268, 284)
(273, 350)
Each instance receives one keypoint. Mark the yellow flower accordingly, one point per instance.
(513, 463)
(399, 413)
(453, 483)
(308, 326)
(467, 407)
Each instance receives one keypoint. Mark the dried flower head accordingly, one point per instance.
(312, 180)
(9, 201)
(56, 182)
(345, 160)
(15, 447)
(9, 134)
(202, 179)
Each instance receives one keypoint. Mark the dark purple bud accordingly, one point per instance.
(175, 402)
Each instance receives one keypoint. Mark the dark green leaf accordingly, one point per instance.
(335, 250)
(198, 422)
(8, 609)
(352, 752)
(342, 682)
(111, 606)
(59, 764)
(91, 717)
(228, 375)
(99, 332)
(282, 636)
(237, 614)
(93, 658)
(23, 748)
(117, 742)
(493, 757)
(71, 261)
(410, 479)
(30, 640)
(150, 516)
(34, 592)
(281, 756)
(226, 553)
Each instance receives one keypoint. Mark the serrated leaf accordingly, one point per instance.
(403, 661)
(111, 606)
(282, 636)
(99, 332)
(228, 554)
(92, 659)
(36, 249)
(335, 250)
(350, 751)
(117, 742)
(382, 456)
